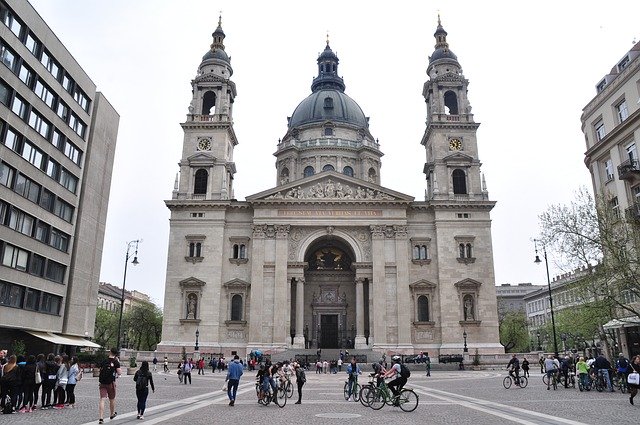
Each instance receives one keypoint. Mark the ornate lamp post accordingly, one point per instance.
(464, 336)
(124, 281)
(197, 347)
(538, 335)
(553, 320)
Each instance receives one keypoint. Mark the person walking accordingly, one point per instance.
(166, 364)
(143, 378)
(155, 363)
(234, 372)
(75, 374)
(541, 363)
(109, 371)
(633, 388)
(186, 371)
(427, 362)
(301, 378)
(525, 367)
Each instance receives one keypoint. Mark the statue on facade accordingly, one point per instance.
(468, 308)
(191, 306)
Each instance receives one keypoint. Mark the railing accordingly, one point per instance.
(328, 142)
(628, 168)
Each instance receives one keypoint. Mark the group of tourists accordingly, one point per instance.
(22, 377)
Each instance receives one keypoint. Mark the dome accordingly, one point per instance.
(216, 54)
(442, 53)
(328, 105)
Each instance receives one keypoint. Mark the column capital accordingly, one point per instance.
(300, 280)
(282, 231)
(377, 231)
(360, 280)
(259, 230)
(400, 231)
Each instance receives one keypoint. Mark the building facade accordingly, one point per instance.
(328, 257)
(611, 126)
(511, 298)
(56, 157)
(110, 297)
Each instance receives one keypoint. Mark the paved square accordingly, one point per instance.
(467, 397)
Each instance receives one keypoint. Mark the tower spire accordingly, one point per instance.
(218, 35)
(441, 36)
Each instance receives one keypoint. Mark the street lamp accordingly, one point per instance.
(464, 335)
(553, 320)
(197, 348)
(538, 335)
(124, 281)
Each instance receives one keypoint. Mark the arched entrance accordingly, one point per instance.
(329, 294)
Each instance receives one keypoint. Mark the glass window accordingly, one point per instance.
(12, 140)
(42, 232)
(32, 44)
(63, 210)
(309, 171)
(32, 154)
(423, 308)
(58, 139)
(328, 167)
(236, 307)
(26, 75)
(5, 93)
(47, 199)
(10, 21)
(347, 171)
(72, 152)
(200, 183)
(459, 182)
(15, 257)
(39, 124)
(600, 131)
(53, 169)
(27, 188)
(608, 169)
(632, 152)
(6, 175)
(622, 111)
(20, 107)
(31, 299)
(67, 82)
(44, 93)
(8, 57)
(62, 110)
(68, 180)
(21, 222)
(55, 271)
(76, 125)
(59, 240)
(50, 63)
(50, 303)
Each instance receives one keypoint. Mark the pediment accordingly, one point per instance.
(458, 157)
(237, 284)
(422, 284)
(468, 284)
(330, 186)
(192, 282)
(201, 158)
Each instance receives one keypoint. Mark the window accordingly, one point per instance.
(11, 295)
(76, 125)
(328, 103)
(31, 299)
(58, 140)
(450, 103)
(7, 57)
(208, 103)
(67, 82)
(68, 180)
(72, 152)
(347, 171)
(63, 210)
(55, 271)
(195, 249)
(27, 188)
(36, 265)
(32, 44)
(39, 124)
(423, 308)
(236, 308)
(599, 129)
(59, 240)
(47, 199)
(53, 169)
(50, 63)
(80, 98)
(10, 21)
(200, 183)
(42, 232)
(615, 207)
(328, 167)
(372, 175)
(623, 63)
(608, 169)
(12, 141)
(15, 257)
(21, 222)
(308, 171)
(459, 182)
(6, 175)
(32, 154)
(601, 85)
(20, 107)
(621, 110)
(328, 131)
(284, 176)
(26, 75)
(44, 93)
(50, 303)
(239, 251)
(632, 153)
(5, 93)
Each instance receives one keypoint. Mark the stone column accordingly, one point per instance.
(403, 295)
(257, 265)
(282, 292)
(360, 340)
(377, 288)
(298, 340)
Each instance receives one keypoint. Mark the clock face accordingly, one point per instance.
(455, 144)
(204, 145)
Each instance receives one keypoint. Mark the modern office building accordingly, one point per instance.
(611, 126)
(511, 297)
(328, 257)
(56, 158)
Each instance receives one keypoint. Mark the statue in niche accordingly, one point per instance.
(328, 259)
(468, 308)
(191, 306)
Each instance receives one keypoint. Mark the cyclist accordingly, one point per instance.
(602, 365)
(514, 369)
(551, 369)
(622, 367)
(583, 372)
(353, 371)
(564, 368)
(396, 385)
(378, 371)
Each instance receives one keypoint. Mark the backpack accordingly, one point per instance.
(302, 377)
(142, 381)
(623, 364)
(107, 372)
(404, 371)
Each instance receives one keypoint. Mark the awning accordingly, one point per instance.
(626, 322)
(64, 339)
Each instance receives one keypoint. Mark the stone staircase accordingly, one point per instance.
(327, 354)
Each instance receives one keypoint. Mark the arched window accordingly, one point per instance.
(469, 252)
(284, 176)
(347, 171)
(200, 184)
(243, 251)
(198, 249)
(328, 167)
(372, 175)
(192, 249)
(208, 102)
(328, 102)
(416, 252)
(459, 182)
(423, 308)
(236, 250)
(462, 249)
(450, 103)
(423, 252)
(236, 307)
(328, 131)
(309, 171)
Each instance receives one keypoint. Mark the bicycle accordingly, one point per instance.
(287, 385)
(407, 400)
(554, 380)
(366, 389)
(600, 383)
(621, 383)
(280, 398)
(352, 392)
(583, 387)
(508, 380)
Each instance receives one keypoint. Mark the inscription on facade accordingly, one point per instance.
(235, 334)
(424, 335)
(330, 213)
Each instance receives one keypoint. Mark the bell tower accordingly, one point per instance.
(207, 167)
(452, 167)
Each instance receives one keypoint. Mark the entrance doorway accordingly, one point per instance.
(329, 331)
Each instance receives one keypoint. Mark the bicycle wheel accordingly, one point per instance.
(408, 400)
(366, 394)
(356, 392)
(378, 399)
(346, 391)
(506, 382)
(554, 382)
(545, 379)
(281, 397)
(523, 382)
(289, 389)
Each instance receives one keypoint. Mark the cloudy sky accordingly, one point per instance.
(532, 67)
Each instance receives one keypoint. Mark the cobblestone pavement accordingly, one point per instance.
(465, 397)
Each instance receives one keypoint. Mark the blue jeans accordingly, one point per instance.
(605, 374)
(142, 399)
(232, 388)
(584, 379)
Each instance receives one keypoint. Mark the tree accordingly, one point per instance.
(144, 326)
(593, 236)
(106, 328)
(513, 332)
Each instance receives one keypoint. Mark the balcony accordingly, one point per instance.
(629, 170)
(633, 212)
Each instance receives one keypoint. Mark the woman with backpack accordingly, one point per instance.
(49, 381)
(9, 384)
(143, 378)
(62, 377)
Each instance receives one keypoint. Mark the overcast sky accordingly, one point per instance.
(532, 67)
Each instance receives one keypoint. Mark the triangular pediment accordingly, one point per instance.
(458, 157)
(237, 283)
(192, 282)
(468, 283)
(422, 284)
(201, 158)
(330, 186)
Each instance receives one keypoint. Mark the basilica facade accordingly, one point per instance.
(329, 258)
